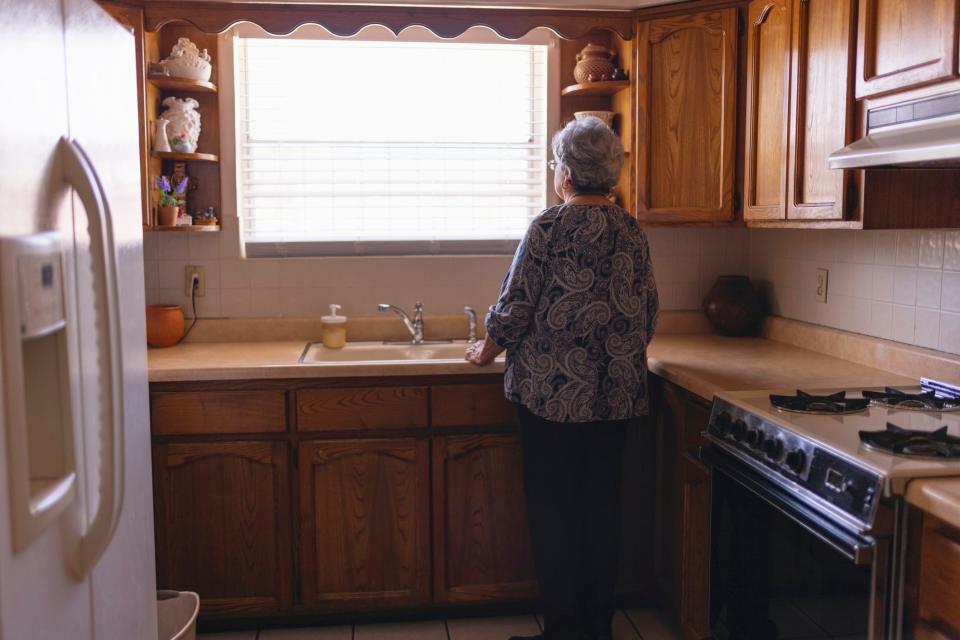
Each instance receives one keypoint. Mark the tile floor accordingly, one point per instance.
(634, 624)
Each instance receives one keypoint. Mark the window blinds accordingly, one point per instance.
(350, 143)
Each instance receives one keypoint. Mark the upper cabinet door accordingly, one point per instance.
(686, 117)
(768, 104)
(821, 107)
(905, 43)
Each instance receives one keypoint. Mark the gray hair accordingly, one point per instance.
(592, 152)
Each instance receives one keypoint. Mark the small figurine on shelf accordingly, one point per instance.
(619, 74)
(170, 200)
(205, 218)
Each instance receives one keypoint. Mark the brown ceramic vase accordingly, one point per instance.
(165, 325)
(733, 306)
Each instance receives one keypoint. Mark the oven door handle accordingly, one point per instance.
(855, 548)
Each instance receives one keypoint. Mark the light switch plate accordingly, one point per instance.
(823, 278)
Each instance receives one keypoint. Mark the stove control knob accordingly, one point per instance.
(796, 460)
(773, 447)
(755, 438)
(722, 422)
(739, 430)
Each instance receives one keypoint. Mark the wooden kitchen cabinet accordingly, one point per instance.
(364, 524)
(768, 109)
(906, 43)
(222, 524)
(481, 544)
(686, 117)
(800, 109)
(683, 507)
(933, 578)
(821, 109)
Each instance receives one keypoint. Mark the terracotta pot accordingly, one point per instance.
(167, 216)
(165, 325)
(594, 60)
(733, 306)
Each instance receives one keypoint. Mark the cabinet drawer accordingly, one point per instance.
(471, 405)
(940, 575)
(362, 408)
(188, 412)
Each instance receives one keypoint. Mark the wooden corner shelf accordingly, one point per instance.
(605, 88)
(186, 157)
(181, 84)
(195, 228)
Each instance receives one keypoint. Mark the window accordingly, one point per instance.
(389, 147)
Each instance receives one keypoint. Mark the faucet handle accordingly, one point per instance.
(472, 324)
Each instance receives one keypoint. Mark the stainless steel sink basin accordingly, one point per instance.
(376, 352)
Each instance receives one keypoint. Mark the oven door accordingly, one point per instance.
(781, 569)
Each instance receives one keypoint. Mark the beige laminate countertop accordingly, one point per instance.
(701, 363)
(937, 496)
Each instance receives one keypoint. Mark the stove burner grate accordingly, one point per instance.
(803, 402)
(915, 444)
(923, 401)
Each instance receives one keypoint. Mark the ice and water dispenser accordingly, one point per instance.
(38, 411)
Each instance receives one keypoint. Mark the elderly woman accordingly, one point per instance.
(575, 314)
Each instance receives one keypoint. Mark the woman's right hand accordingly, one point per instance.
(483, 353)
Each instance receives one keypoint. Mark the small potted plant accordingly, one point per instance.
(170, 201)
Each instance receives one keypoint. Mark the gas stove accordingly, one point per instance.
(834, 446)
(807, 500)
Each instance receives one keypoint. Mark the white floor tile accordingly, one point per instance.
(652, 625)
(430, 630)
(492, 628)
(311, 633)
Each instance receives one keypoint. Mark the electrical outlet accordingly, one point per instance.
(200, 274)
(823, 278)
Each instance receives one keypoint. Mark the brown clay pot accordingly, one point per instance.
(733, 306)
(594, 60)
(165, 325)
(167, 216)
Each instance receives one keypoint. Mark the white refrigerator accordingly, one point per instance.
(76, 513)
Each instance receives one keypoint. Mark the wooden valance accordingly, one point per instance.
(346, 20)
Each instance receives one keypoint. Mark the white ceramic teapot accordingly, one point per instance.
(187, 61)
(183, 130)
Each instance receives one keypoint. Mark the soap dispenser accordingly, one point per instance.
(334, 329)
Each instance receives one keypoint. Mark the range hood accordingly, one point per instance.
(922, 133)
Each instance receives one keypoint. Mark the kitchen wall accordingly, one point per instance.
(686, 262)
(898, 285)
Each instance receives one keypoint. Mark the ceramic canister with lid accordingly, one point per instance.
(334, 329)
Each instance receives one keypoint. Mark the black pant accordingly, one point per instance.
(571, 474)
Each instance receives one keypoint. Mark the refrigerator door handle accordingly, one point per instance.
(95, 538)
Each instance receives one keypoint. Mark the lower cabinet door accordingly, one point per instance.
(481, 544)
(222, 525)
(695, 548)
(364, 514)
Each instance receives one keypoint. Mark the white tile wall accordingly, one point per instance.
(686, 263)
(897, 285)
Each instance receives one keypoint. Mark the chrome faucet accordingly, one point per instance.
(472, 324)
(415, 327)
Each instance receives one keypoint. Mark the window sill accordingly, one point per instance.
(318, 249)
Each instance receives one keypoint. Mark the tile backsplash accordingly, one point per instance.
(897, 285)
(686, 262)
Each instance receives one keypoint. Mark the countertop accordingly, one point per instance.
(701, 363)
(937, 496)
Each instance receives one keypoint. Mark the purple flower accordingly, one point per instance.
(182, 186)
(163, 183)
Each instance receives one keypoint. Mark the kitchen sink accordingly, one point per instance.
(362, 352)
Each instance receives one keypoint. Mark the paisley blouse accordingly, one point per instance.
(576, 311)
